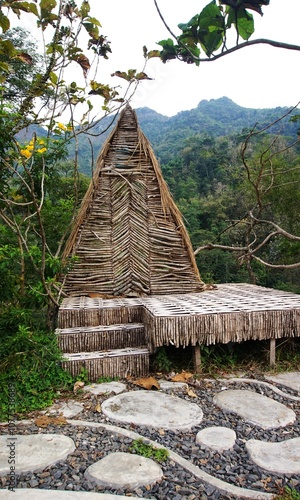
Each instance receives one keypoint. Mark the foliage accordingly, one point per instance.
(289, 494)
(29, 361)
(161, 361)
(248, 357)
(103, 380)
(146, 450)
(209, 32)
(83, 376)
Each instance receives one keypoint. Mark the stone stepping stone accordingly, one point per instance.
(153, 409)
(37, 494)
(106, 388)
(255, 408)
(166, 385)
(289, 379)
(217, 438)
(283, 457)
(120, 470)
(34, 452)
(68, 410)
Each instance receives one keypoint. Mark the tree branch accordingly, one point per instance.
(249, 43)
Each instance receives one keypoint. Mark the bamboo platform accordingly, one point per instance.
(230, 313)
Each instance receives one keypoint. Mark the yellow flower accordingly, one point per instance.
(41, 142)
(41, 150)
(26, 153)
(61, 126)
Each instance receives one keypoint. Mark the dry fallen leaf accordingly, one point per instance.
(191, 393)
(78, 385)
(182, 377)
(147, 383)
(46, 420)
(98, 408)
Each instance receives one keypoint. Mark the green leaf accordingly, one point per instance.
(85, 9)
(191, 25)
(211, 18)
(92, 30)
(53, 78)
(95, 21)
(245, 24)
(153, 53)
(24, 6)
(142, 76)
(211, 28)
(47, 4)
(4, 22)
(211, 42)
(169, 50)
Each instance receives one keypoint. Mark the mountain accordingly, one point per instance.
(216, 117)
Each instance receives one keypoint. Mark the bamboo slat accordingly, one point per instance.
(121, 363)
(96, 338)
(129, 238)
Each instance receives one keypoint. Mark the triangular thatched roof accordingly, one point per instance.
(129, 237)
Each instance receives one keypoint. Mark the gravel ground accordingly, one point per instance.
(232, 466)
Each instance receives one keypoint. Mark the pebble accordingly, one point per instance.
(233, 466)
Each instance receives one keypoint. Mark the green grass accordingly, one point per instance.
(289, 494)
(248, 357)
(148, 451)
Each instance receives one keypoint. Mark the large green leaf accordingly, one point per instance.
(245, 24)
(47, 4)
(169, 50)
(211, 18)
(4, 22)
(211, 42)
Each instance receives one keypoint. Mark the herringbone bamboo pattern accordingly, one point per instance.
(129, 238)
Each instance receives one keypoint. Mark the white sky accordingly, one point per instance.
(260, 76)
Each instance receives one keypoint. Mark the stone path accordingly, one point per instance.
(255, 408)
(153, 409)
(162, 411)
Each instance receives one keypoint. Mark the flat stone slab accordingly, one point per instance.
(255, 408)
(153, 409)
(37, 494)
(166, 385)
(106, 388)
(289, 379)
(217, 438)
(283, 457)
(120, 470)
(68, 410)
(34, 452)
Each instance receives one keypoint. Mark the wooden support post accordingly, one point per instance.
(272, 352)
(197, 358)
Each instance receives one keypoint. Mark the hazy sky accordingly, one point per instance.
(259, 76)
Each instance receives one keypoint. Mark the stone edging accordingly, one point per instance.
(260, 382)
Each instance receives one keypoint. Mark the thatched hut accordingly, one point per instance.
(133, 285)
(129, 238)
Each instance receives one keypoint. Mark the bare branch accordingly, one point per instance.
(276, 266)
(249, 43)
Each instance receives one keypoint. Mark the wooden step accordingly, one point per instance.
(86, 311)
(111, 363)
(98, 338)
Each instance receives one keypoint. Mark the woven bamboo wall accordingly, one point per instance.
(110, 366)
(129, 238)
